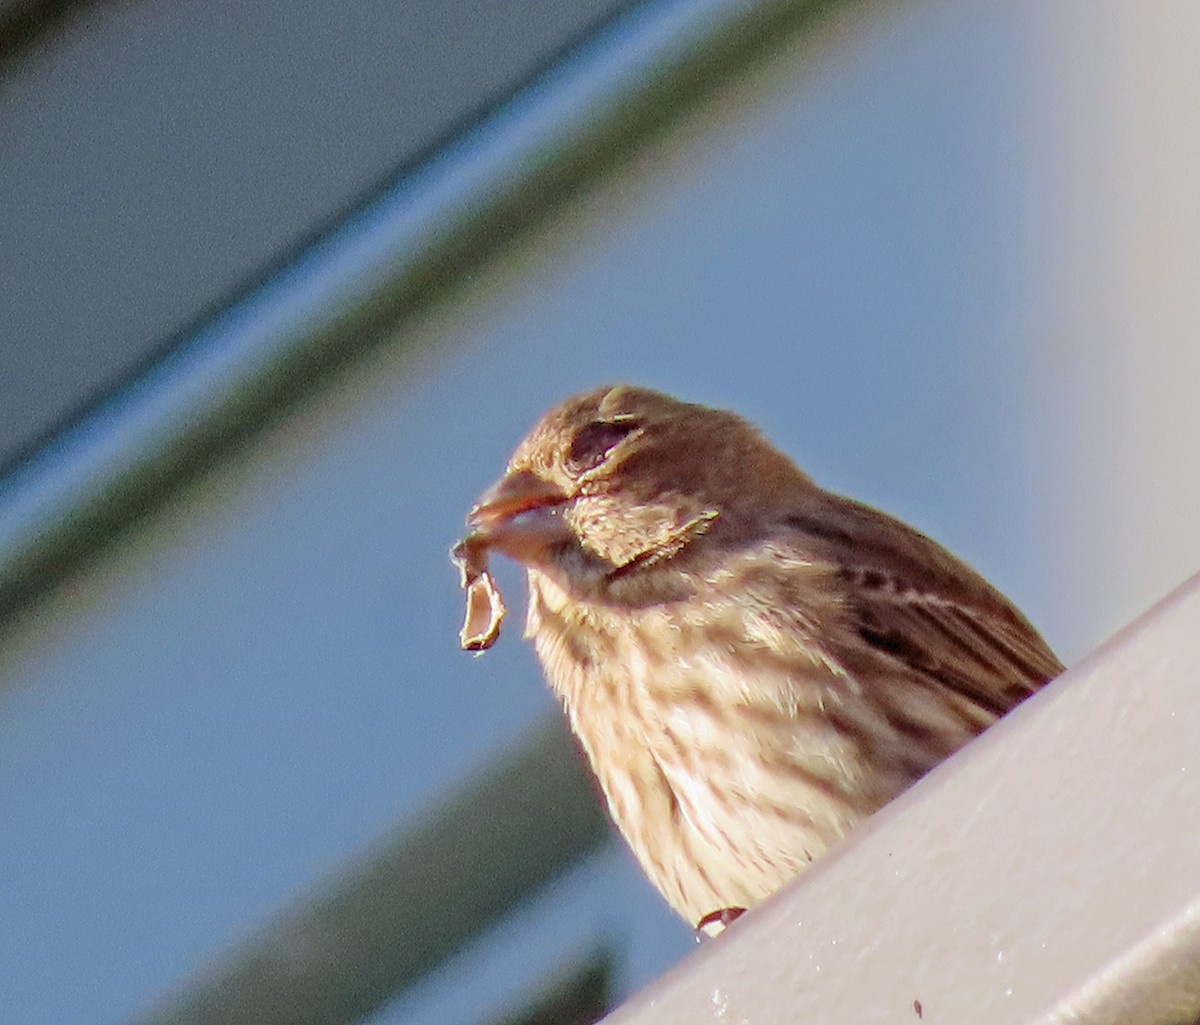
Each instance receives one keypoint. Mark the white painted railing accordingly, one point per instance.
(1048, 873)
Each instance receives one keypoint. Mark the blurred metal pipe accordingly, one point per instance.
(579, 994)
(377, 929)
(391, 260)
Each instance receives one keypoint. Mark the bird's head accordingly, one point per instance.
(620, 481)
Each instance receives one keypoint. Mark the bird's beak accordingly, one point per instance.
(520, 515)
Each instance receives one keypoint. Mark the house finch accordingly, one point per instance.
(752, 664)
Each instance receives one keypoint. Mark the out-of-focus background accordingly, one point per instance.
(281, 284)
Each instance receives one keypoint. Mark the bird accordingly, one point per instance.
(752, 665)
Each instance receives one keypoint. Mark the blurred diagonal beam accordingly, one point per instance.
(378, 929)
(409, 247)
(577, 996)
(24, 22)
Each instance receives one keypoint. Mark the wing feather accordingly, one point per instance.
(915, 604)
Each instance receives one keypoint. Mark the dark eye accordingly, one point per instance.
(596, 440)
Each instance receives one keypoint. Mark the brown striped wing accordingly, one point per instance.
(993, 661)
(914, 602)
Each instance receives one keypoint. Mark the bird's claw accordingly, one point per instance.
(715, 922)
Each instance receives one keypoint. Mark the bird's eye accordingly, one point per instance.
(596, 440)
